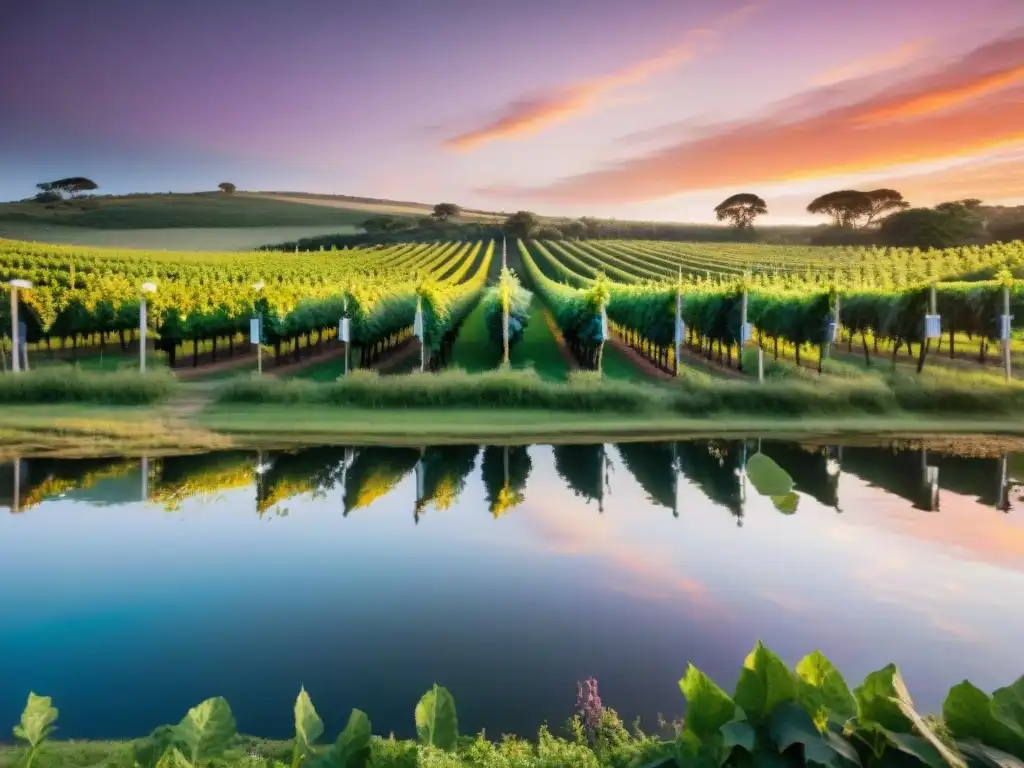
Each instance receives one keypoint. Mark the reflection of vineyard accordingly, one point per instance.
(365, 475)
(584, 468)
(504, 472)
(445, 472)
(176, 479)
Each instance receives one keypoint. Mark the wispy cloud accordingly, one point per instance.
(531, 114)
(872, 65)
(967, 107)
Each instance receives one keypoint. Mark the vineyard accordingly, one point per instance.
(606, 305)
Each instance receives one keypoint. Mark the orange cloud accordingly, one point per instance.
(949, 98)
(529, 115)
(980, 112)
(873, 65)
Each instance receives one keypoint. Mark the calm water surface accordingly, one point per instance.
(133, 588)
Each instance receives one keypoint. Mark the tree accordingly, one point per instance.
(845, 207)
(226, 187)
(573, 228)
(548, 232)
(444, 211)
(592, 227)
(522, 224)
(71, 186)
(946, 227)
(383, 224)
(884, 201)
(741, 209)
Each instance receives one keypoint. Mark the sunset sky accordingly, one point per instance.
(633, 109)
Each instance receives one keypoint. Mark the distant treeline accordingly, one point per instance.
(451, 231)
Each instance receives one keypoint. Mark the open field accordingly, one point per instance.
(193, 211)
(171, 238)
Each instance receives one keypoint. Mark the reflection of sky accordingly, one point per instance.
(128, 615)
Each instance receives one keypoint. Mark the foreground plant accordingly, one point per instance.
(776, 717)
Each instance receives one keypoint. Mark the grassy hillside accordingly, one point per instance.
(206, 209)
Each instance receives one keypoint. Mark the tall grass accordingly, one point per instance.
(693, 397)
(73, 385)
(449, 389)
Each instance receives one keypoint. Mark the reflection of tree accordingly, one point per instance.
(505, 471)
(374, 472)
(902, 470)
(314, 470)
(711, 465)
(176, 478)
(42, 479)
(445, 470)
(584, 468)
(652, 464)
(808, 466)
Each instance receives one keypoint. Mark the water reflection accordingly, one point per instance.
(161, 581)
(719, 468)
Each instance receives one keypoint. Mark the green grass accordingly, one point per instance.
(539, 347)
(206, 209)
(57, 384)
(616, 365)
(474, 351)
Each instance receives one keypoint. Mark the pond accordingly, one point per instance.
(134, 588)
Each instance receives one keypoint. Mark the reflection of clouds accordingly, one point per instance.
(788, 602)
(632, 559)
(963, 529)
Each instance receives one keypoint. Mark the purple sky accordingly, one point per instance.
(618, 108)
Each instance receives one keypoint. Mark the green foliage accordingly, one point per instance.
(940, 227)
(36, 724)
(308, 728)
(777, 717)
(436, 722)
(72, 385)
(206, 731)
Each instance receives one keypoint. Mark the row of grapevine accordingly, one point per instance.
(80, 294)
(644, 313)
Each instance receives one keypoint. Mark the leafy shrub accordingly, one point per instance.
(776, 716)
(50, 385)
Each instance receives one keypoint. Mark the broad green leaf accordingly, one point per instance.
(148, 751)
(821, 687)
(738, 733)
(990, 757)
(708, 707)
(436, 721)
(765, 682)
(787, 504)
(173, 758)
(352, 749)
(968, 715)
(694, 752)
(1008, 706)
(791, 724)
(308, 728)
(767, 477)
(917, 747)
(906, 705)
(37, 720)
(207, 730)
(876, 701)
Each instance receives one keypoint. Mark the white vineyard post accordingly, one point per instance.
(16, 340)
(259, 331)
(146, 288)
(1006, 332)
